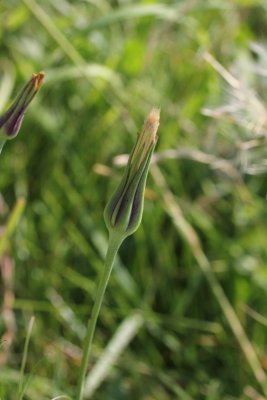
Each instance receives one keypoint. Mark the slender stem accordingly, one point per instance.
(2, 143)
(24, 358)
(113, 247)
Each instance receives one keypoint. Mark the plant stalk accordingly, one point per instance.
(115, 241)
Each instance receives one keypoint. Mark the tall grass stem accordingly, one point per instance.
(22, 387)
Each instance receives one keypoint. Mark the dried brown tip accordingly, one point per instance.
(152, 122)
(38, 79)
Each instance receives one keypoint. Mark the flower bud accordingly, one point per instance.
(11, 121)
(123, 212)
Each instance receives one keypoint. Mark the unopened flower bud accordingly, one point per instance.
(10, 122)
(123, 212)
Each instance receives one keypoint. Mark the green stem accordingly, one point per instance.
(2, 143)
(113, 247)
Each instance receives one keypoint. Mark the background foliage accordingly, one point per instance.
(203, 236)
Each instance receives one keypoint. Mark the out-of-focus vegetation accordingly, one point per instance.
(186, 303)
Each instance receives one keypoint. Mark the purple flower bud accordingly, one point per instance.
(11, 121)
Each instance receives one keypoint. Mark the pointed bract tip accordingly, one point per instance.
(152, 123)
(37, 79)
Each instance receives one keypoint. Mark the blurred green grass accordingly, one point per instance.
(107, 63)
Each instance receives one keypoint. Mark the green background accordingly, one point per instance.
(203, 237)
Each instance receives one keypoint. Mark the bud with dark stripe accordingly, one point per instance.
(11, 121)
(123, 212)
